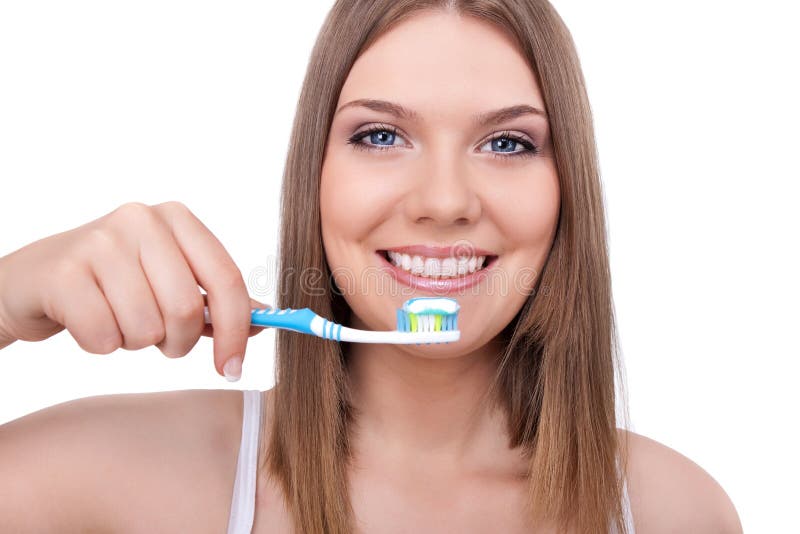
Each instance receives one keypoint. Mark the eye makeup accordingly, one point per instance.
(530, 148)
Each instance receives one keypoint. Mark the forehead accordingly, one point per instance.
(433, 59)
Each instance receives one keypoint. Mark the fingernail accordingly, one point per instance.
(233, 369)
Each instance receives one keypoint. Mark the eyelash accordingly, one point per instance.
(531, 149)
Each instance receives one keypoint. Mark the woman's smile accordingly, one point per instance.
(443, 276)
(442, 270)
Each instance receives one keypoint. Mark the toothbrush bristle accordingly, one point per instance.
(429, 317)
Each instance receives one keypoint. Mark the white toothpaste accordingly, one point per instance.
(431, 305)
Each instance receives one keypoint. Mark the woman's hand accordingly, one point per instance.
(130, 279)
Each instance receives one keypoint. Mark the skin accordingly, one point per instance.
(428, 456)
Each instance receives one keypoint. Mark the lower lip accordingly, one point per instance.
(436, 285)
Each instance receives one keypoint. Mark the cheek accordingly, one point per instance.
(355, 197)
(527, 216)
(533, 216)
(353, 202)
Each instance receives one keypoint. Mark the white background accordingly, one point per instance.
(695, 103)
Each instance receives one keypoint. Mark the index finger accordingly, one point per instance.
(216, 272)
(208, 330)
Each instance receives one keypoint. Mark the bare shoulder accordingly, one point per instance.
(670, 493)
(122, 462)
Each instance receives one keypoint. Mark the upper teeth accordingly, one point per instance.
(436, 267)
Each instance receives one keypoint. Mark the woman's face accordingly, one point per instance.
(426, 172)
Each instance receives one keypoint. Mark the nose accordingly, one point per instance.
(443, 194)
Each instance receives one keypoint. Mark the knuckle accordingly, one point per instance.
(241, 329)
(132, 210)
(171, 211)
(107, 344)
(175, 207)
(151, 335)
(186, 309)
(168, 352)
(231, 279)
(67, 268)
(172, 352)
(133, 215)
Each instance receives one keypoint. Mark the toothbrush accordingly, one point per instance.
(420, 320)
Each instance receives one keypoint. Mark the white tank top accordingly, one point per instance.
(244, 487)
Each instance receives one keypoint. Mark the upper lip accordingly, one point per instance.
(450, 251)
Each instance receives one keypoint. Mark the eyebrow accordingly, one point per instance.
(488, 118)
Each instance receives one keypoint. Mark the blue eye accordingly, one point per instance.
(506, 143)
(382, 137)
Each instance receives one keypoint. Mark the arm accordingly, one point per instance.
(96, 463)
(44, 472)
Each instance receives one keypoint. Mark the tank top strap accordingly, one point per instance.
(244, 486)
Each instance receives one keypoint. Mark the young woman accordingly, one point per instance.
(426, 131)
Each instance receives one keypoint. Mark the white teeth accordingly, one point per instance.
(463, 265)
(416, 265)
(406, 262)
(449, 267)
(432, 267)
(436, 267)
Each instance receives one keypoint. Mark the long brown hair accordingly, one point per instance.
(556, 378)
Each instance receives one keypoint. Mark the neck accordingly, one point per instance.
(426, 409)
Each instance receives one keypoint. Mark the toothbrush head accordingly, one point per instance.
(428, 314)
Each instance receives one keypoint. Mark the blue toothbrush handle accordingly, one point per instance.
(298, 320)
